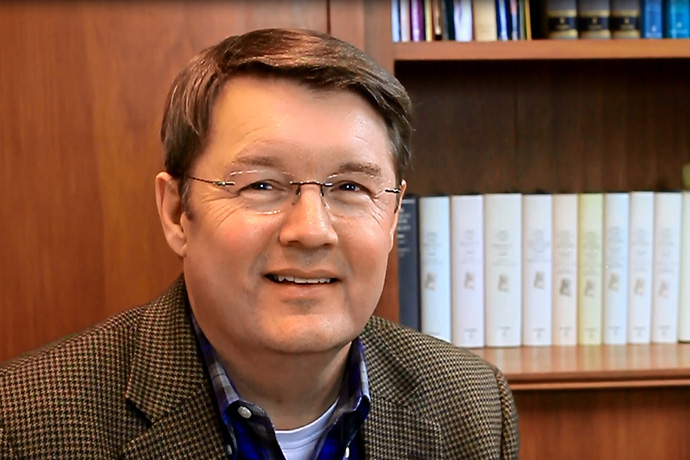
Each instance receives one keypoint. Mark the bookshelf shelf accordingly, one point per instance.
(591, 367)
(542, 50)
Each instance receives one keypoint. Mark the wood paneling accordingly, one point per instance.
(82, 86)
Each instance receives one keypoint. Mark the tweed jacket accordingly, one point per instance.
(135, 387)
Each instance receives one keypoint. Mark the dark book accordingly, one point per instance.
(408, 262)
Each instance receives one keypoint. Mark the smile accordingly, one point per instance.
(292, 279)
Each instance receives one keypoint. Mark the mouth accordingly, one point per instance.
(287, 279)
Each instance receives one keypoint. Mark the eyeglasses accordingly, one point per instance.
(354, 194)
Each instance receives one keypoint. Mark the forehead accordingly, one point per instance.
(278, 121)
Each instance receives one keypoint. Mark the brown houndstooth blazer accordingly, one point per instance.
(135, 387)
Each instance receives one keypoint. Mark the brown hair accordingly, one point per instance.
(312, 58)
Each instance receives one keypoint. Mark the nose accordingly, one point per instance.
(308, 222)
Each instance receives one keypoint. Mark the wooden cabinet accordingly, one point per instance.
(558, 116)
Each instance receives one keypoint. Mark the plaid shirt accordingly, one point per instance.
(251, 435)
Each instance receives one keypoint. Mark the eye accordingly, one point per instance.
(349, 186)
(260, 185)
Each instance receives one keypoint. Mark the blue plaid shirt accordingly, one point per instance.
(251, 435)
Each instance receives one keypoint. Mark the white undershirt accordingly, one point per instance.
(298, 444)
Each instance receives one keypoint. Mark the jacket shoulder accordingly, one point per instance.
(467, 397)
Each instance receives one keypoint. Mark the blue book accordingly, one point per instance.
(502, 25)
(408, 262)
(652, 19)
(677, 19)
(395, 20)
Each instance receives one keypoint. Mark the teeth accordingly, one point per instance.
(292, 279)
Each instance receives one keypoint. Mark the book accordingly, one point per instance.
(527, 23)
(502, 18)
(434, 256)
(484, 20)
(561, 19)
(652, 12)
(684, 301)
(408, 262)
(677, 18)
(405, 21)
(428, 21)
(616, 231)
(438, 12)
(537, 269)
(417, 25)
(590, 257)
(514, 19)
(665, 298)
(625, 18)
(467, 270)
(462, 20)
(565, 287)
(395, 20)
(593, 19)
(640, 263)
(503, 269)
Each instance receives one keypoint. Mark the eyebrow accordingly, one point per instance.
(371, 169)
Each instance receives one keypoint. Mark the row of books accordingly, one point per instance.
(490, 20)
(564, 269)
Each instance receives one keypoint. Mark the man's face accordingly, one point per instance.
(292, 276)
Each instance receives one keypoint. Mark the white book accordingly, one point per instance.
(484, 20)
(684, 310)
(565, 238)
(405, 25)
(536, 269)
(665, 298)
(467, 270)
(616, 231)
(640, 263)
(503, 269)
(590, 258)
(462, 20)
(434, 261)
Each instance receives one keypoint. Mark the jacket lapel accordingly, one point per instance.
(395, 428)
(169, 386)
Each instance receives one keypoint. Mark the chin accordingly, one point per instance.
(310, 335)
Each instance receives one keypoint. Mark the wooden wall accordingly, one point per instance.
(82, 86)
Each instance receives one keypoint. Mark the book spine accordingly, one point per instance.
(565, 263)
(593, 19)
(408, 262)
(652, 12)
(502, 19)
(561, 19)
(428, 21)
(514, 20)
(625, 18)
(395, 20)
(502, 268)
(641, 261)
(405, 21)
(665, 299)
(537, 269)
(449, 11)
(484, 19)
(434, 228)
(462, 18)
(417, 20)
(677, 23)
(616, 238)
(591, 220)
(467, 270)
(684, 310)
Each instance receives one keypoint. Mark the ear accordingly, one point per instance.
(394, 228)
(170, 212)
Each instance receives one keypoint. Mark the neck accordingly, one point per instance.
(294, 390)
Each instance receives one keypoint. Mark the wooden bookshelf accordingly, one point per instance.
(542, 50)
(557, 116)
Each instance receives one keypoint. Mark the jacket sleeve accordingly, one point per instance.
(5, 451)
(510, 436)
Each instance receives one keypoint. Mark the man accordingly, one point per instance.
(285, 153)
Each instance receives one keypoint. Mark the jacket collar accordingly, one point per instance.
(168, 383)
